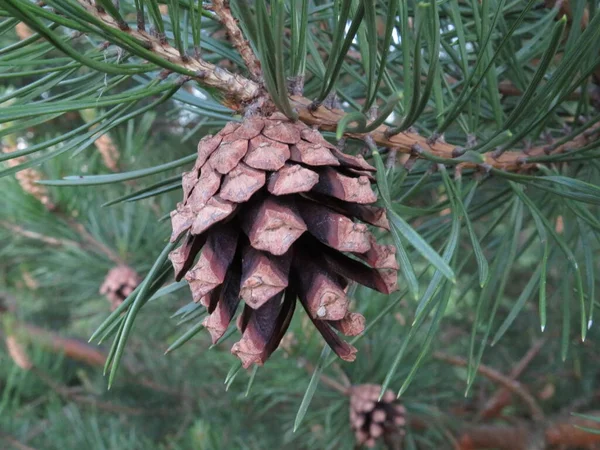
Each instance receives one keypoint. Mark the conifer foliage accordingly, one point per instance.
(422, 177)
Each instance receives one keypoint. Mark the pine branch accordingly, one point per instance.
(73, 349)
(328, 381)
(20, 231)
(421, 146)
(514, 386)
(238, 89)
(240, 92)
(222, 10)
(558, 433)
(494, 406)
(70, 394)
(14, 442)
(79, 228)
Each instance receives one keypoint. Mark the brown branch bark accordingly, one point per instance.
(55, 242)
(238, 89)
(71, 348)
(333, 384)
(513, 386)
(73, 395)
(20, 231)
(78, 351)
(240, 92)
(494, 406)
(223, 12)
(93, 242)
(566, 9)
(559, 433)
(14, 442)
(410, 142)
(496, 437)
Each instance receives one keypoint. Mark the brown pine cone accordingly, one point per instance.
(120, 281)
(371, 419)
(272, 205)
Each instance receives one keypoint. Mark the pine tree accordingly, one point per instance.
(421, 177)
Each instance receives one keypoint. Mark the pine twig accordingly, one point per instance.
(83, 352)
(36, 236)
(55, 242)
(335, 385)
(223, 12)
(561, 432)
(71, 348)
(514, 386)
(494, 406)
(240, 91)
(411, 142)
(68, 394)
(14, 442)
(566, 9)
(93, 242)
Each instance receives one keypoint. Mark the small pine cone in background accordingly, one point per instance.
(120, 281)
(273, 206)
(371, 419)
(28, 178)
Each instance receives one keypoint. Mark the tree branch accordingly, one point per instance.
(240, 91)
(410, 142)
(14, 442)
(494, 406)
(223, 12)
(561, 432)
(79, 228)
(20, 231)
(514, 386)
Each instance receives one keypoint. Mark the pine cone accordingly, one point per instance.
(371, 419)
(120, 281)
(272, 205)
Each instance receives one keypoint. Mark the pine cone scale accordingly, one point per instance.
(266, 154)
(211, 268)
(351, 325)
(348, 189)
(263, 276)
(273, 226)
(241, 183)
(220, 318)
(119, 283)
(228, 155)
(183, 257)
(207, 186)
(261, 326)
(206, 147)
(333, 229)
(312, 154)
(292, 179)
(214, 211)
